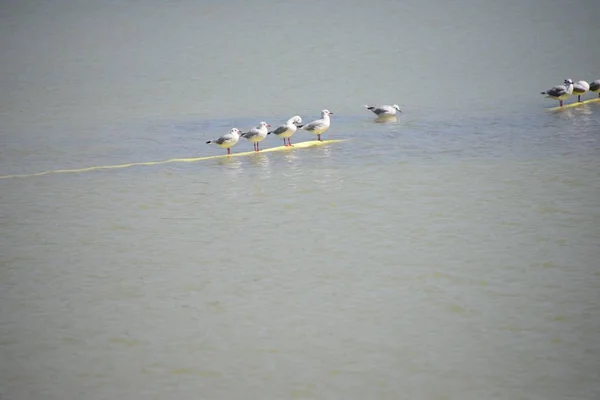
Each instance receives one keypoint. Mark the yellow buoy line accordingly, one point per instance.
(576, 104)
(300, 145)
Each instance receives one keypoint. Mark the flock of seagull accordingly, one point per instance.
(568, 89)
(319, 126)
(286, 130)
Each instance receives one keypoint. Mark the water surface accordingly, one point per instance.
(452, 254)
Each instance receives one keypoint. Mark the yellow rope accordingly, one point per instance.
(172, 160)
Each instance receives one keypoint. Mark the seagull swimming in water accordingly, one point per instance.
(318, 126)
(560, 92)
(384, 111)
(227, 140)
(257, 135)
(579, 88)
(288, 129)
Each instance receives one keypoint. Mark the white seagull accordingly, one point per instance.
(560, 92)
(579, 88)
(595, 87)
(227, 140)
(384, 111)
(318, 126)
(257, 135)
(288, 129)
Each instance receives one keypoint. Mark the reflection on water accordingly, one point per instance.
(290, 156)
(564, 113)
(383, 119)
(233, 168)
(263, 164)
(230, 162)
(259, 159)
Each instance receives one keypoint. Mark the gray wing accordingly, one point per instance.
(380, 110)
(251, 133)
(556, 91)
(374, 109)
(280, 130)
(225, 138)
(313, 125)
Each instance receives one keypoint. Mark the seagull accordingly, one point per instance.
(384, 111)
(580, 88)
(595, 87)
(288, 129)
(318, 126)
(258, 134)
(560, 92)
(227, 140)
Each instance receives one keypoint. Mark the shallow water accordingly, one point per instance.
(452, 254)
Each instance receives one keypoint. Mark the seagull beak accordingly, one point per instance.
(268, 125)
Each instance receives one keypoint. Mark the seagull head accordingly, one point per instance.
(326, 112)
(263, 124)
(296, 120)
(397, 107)
(568, 81)
(235, 131)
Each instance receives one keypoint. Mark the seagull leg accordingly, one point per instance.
(289, 141)
(560, 102)
(319, 138)
(228, 151)
(579, 98)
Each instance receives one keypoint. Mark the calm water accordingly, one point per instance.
(451, 255)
